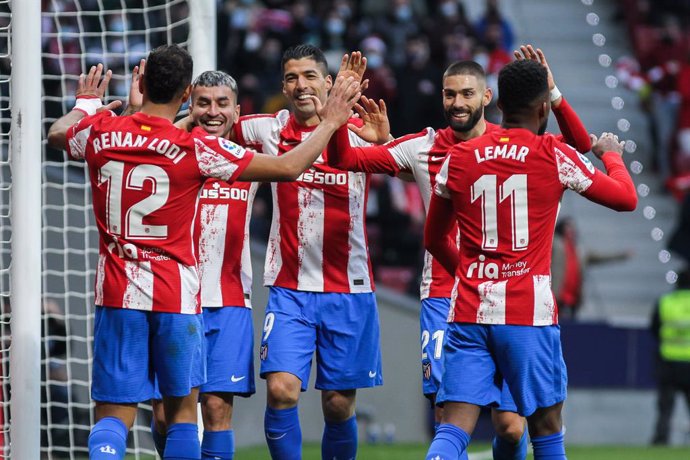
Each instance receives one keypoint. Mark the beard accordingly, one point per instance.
(466, 126)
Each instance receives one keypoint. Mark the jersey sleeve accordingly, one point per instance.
(572, 128)
(255, 130)
(77, 135)
(371, 158)
(614, 189)
(441, 187)
(439, 223)
(220, 158)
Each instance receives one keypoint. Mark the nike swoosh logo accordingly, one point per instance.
(275, 438)
(372, 374)
(433, 158)
(234, 379)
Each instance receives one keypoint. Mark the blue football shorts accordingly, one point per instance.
(133, 348)
(343, 330)
(433, 320)
(480, 357)
(229, 350)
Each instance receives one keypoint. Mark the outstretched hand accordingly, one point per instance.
(608, 142)
(354, 65)
(136, 98)
(345, 93)
(376, 128)
(529, 53)
(91, 85)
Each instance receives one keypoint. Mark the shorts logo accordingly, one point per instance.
(372, 374)
(107, 449)
(234, 379)
(426, 370)
(263, 352)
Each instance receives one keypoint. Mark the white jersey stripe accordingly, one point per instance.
(492, 302)
(100, 279)
(189, 288)
(544, 307)
(310, 239)
(214, 220)
(357, 264)
(139, 291)
(274, 258)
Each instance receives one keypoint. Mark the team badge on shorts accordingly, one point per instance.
(426, 369)
(263, 352)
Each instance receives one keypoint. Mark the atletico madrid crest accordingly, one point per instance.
(426, 369)
(263, 352)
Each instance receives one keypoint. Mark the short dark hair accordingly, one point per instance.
(212, 78)
(465, 68)
(168, 72)
(521, 84)
(305, 51)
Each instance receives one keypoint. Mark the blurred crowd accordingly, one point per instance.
(408, 44)
(659, 72)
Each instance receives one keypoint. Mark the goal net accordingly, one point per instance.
(76, 34)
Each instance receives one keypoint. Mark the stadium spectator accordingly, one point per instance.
(147, 313)
(317, 269)
(671, 327)
(493, 27)
(465, 95)
(569, 263)
(503, 189)
(225, 273)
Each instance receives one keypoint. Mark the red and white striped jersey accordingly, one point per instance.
(505, 189)
(145, 180)
(421, 155)
(317, 241)
(222, 232)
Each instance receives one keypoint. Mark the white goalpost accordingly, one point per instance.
(49, 239)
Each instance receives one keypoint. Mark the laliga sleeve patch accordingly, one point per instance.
(588, 164)
(232, 148)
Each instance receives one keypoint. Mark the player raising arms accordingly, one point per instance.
(145, 178)
(222, 234)
(317, 266)
(503, 190)
(465, 94)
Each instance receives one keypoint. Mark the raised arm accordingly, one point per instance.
(90, 91)
(136, 97)
(615, 189)
(572, 128)
(287, 167)
(437, 233)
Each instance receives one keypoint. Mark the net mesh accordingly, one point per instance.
(76, 34)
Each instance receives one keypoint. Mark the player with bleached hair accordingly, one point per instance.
(145, 177)
(221, 232)
(503, 190)
(465, 94)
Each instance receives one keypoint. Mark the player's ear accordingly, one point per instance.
(488, 96)
(236, 115)
(329, 82)
(186, 93)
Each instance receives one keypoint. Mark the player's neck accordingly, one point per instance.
(476, 131)
(306, 121)
(530, 124)
(168, 111)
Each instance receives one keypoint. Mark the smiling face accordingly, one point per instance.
(303, 78)
(215, 109)
(464, 99)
